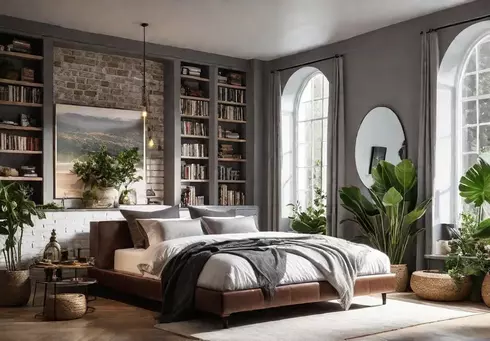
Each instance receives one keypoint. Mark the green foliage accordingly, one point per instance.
(17, 211)
(474, 185)
(50, 206)
(313, 220)
(101, 169)
(386, 218)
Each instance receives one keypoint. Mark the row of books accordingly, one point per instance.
(222, 132)
(194, 150)
(230, 112)
(189, 197)
(16, 93)
(193, 128)
(22, 143)
(231, 95)
(192, 107)
(228, 173)
(226, 152)
(193, 171)
(229, 197)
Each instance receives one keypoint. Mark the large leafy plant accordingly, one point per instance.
(387, 216)
(313, 219)
(17, 212)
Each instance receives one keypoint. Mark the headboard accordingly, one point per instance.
(105, 238)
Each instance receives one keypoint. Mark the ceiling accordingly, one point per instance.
(262, 29)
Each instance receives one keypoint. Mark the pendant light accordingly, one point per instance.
(144, 98)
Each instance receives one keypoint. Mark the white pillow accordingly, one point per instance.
(159, 230)
(223, 225)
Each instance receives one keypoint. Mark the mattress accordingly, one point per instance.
(226, 272)
(127, 260)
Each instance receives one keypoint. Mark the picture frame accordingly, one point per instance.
(378, 154)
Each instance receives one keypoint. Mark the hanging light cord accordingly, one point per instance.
(144, 25)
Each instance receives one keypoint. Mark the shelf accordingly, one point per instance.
(232, 160)
(231, 181)
(195, 137)
(9, 81)
(195, 78)
(225, 85)
(185, 180)
(20, 178)
(21, 55)
(196, 117)
(195, 157)
(232, 103)
(12, 127)
(231, 121)
(195, 98)
(21, 104)
(231, 140)
(20, 151)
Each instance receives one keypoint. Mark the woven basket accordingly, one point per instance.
(15, 288)
(436, 286)
(401, 272)
(68, 307)
(485, 290)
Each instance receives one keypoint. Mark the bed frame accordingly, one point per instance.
(108, 236)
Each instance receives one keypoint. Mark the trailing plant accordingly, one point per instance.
(17, 212)
(313, 219)
(387, 216)
(50, 206)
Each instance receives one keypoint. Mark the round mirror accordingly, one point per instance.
(380, 137)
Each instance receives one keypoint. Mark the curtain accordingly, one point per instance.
(273, 136)
(336, 150)
(427, 138)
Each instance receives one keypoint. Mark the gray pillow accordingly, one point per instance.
(134, 227)
(197, 212)
(159, 230)
(222, 225)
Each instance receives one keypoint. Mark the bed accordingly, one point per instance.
(117, 267)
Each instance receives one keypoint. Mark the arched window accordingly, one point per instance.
(304, 137)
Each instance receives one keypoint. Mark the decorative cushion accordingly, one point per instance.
(159, 230)
(134, 227)
(198, 212)
(222, 225)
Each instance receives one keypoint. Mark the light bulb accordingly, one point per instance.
(151, 143)
(144, 113)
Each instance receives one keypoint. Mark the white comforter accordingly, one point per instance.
(226, 272)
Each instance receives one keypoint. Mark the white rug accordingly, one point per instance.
(315, 322)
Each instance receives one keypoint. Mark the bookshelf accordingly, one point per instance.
(21, 110)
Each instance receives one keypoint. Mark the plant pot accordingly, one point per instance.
(437, 286)
(485, 290)
(15, 287)
(106, 196)
(401, 272)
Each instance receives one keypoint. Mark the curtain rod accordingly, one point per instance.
(458, 23)
(308, 63)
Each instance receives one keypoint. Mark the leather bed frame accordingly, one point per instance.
(108, 236)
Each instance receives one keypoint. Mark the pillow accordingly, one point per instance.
(159, 230)
(134, 228)
(206, 212)
(222, 225)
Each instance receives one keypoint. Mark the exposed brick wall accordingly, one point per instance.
(111, 81)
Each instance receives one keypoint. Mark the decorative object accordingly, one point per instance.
(401, 272)
(387, 218)
(17, 212)
(443, 247)
(235, 78)
(52, 251)
(7, 171)
(128, 160)
(485, 290)
(65, 307)
(380, 128)
(27, 74)
(24, 120)
(435, 286)
(314, 219)
(84, 130)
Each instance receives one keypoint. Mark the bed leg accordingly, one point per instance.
(225, 319)
(383, 296)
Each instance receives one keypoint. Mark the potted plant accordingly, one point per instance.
(17, 212)
(387, 217)
(313, 220)
(128, 159)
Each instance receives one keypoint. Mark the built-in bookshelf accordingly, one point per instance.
(21, 111)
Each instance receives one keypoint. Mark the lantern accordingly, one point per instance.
(52, 251)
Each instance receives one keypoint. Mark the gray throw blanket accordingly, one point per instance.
(267, 258)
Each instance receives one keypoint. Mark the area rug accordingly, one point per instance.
(324, 321)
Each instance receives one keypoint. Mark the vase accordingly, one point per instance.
(401, 272)
(485, 290)
(15, 288)
(106, 196)
(128, 197)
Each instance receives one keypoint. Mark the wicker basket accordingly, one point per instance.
(15, 288)
(485, 290)
(68, 307)
(437, 286)
(401, 272)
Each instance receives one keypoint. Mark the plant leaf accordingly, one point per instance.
(483, 231)
(417, 213)
(474, 185)
(392, 197)
(406, 174)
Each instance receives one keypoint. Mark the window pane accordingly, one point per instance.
(471, 66)
(304, 132)
(469, 160)
(325, 130)
(286, 133)
(484, 83)
(317, 143)
(325, 107)
(326, 88)
(317, 109)
(484, 55)
(287, 170)
(469, 139)
(484, 139)
(484, 106)
(317, 178)
(317, 86)
(469, 112)
(304, 179)
(304, 112)
(303, 198)
(304, 155)
(469, 86)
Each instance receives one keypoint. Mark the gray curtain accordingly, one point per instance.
(336, 150)
(427, 134)
(273, 136)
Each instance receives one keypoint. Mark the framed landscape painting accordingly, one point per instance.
(81, 130)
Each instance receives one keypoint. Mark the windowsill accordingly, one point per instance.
(436, 257)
